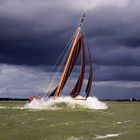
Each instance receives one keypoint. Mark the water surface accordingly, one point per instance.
(121, 121)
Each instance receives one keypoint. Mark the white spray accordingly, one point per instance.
(90, 103)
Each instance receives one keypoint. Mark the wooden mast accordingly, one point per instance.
(78, 35)
(70, 65)
(68, 62)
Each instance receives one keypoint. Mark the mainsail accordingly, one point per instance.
(76, 47)
(89, 84)
(76, 90)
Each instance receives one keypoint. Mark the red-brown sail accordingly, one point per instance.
(77, 88)
(89, 84)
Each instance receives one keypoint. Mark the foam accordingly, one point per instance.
(107, 136)
(75, 138)
(123, 122)
(61, 102)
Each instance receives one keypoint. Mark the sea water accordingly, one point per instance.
(65, 119)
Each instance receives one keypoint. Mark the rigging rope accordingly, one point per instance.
(51, 73)
(61, 64)
(56, 73)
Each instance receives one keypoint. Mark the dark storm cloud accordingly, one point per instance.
(32, 38)
(36, 32)
(117, 56)
(127, 73)
(115, 35)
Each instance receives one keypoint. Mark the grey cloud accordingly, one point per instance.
(22, 82)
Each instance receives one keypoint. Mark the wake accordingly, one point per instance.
(66, 102)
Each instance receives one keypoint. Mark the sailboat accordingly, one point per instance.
(77, 47)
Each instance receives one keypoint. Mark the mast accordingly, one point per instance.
(82, 20)
(70, 66)
(67, 63)
(74, 46)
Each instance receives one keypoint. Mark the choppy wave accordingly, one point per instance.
(107, 136)
(75, 138)
(93, 138)
(18, 108)
(123, 122)
(61, 102)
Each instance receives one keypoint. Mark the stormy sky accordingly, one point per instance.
(33, 33)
